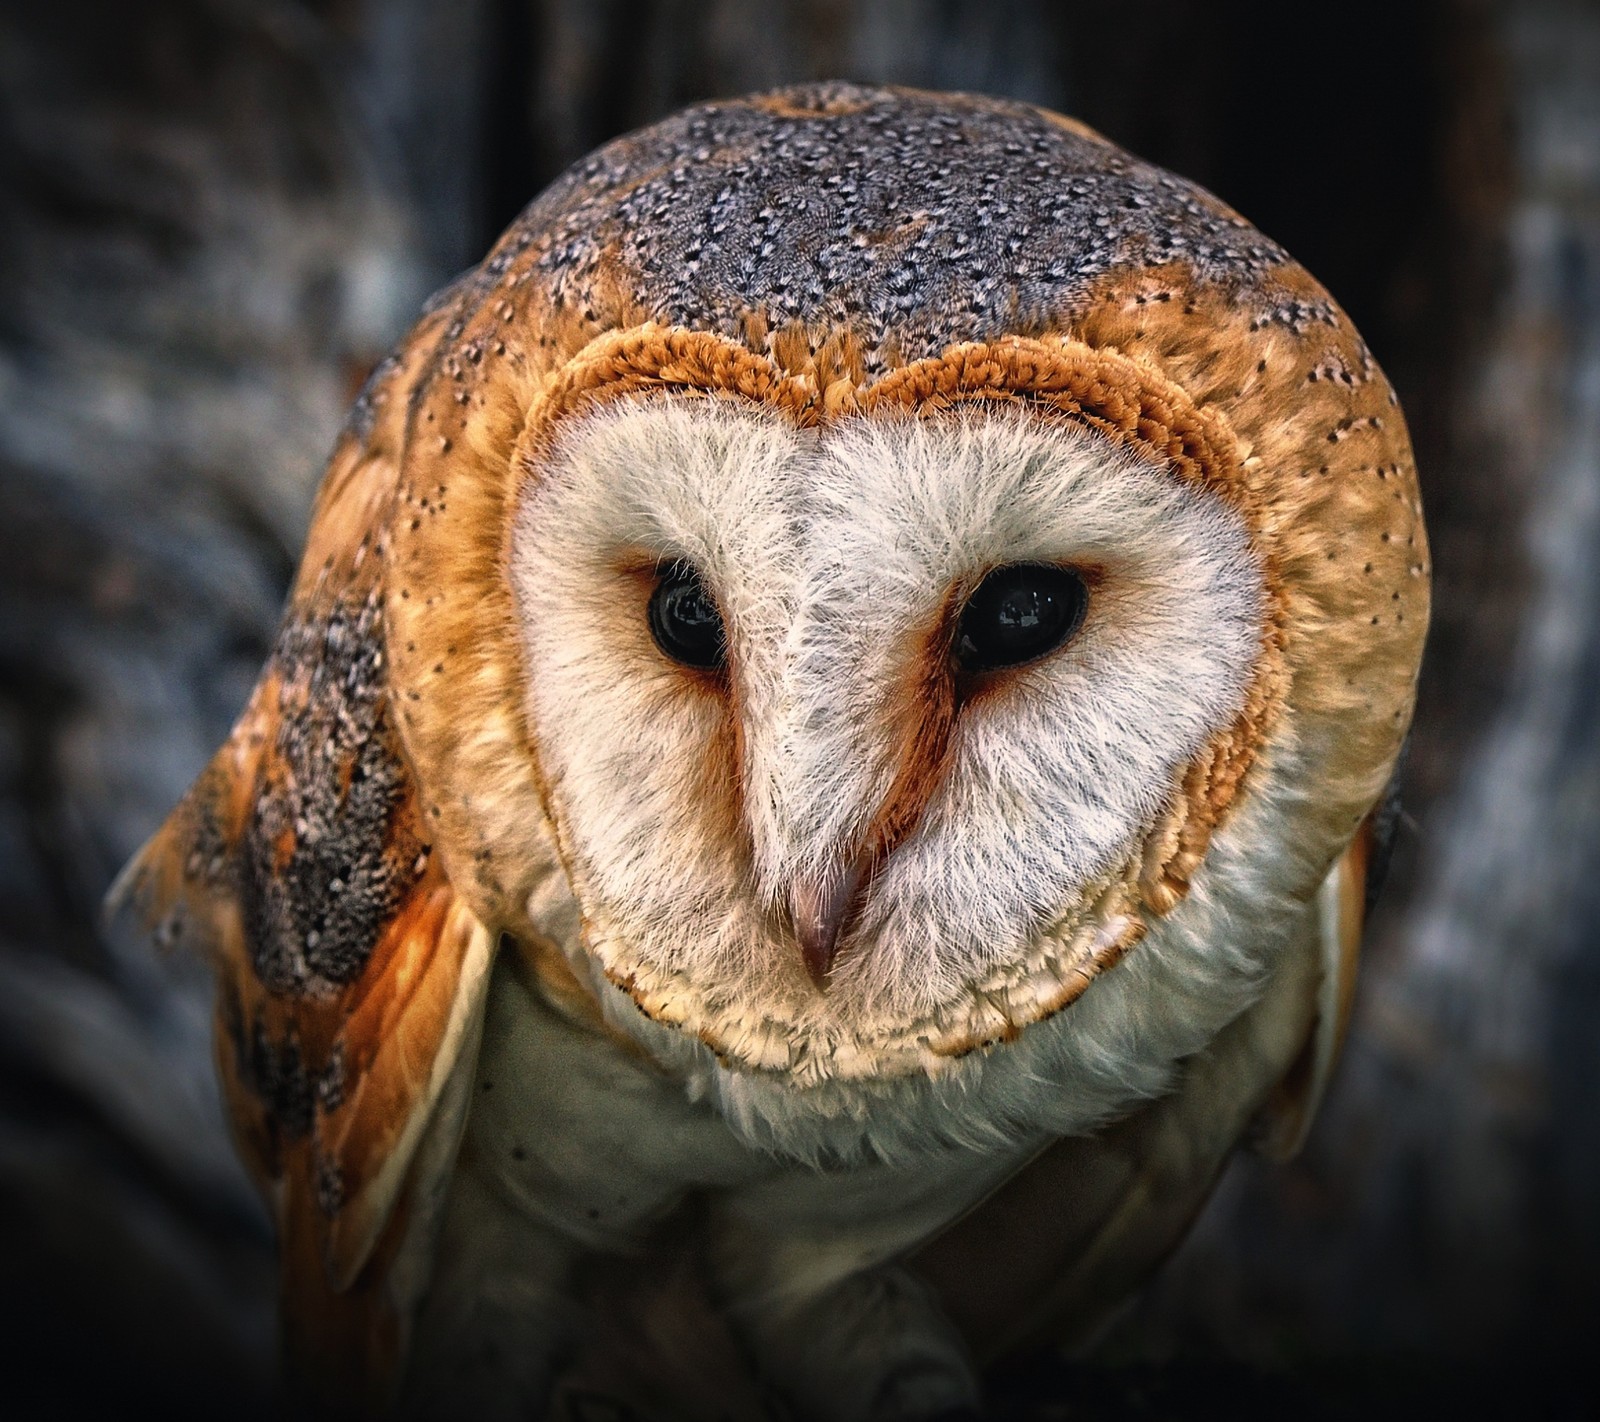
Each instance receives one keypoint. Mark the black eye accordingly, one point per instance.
(1017, 614)
(684, 619)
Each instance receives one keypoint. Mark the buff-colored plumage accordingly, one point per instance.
(496, 892)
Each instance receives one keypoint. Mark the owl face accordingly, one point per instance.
(840, 726)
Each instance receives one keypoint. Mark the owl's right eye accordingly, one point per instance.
(684, 619)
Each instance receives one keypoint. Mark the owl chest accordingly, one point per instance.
(598, 1150)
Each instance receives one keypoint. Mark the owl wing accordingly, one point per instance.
(350, 973)
(1061, 1246)
(1285, 1118)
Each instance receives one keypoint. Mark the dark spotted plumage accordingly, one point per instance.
(915, 220)
(275, 1070)
(324, 865)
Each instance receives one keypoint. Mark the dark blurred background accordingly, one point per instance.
(215, 215)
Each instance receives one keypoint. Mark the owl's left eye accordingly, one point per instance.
(1017, 614)
(684, 619)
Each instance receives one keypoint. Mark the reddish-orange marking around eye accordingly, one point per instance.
(923, 716)
(721, 771)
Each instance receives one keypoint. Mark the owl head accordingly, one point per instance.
(865, 560)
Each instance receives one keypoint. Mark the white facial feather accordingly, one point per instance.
(830, 557)
(1053, 781)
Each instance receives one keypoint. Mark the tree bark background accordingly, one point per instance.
(214, 217)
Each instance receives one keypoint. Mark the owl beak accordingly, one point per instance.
(822, 907)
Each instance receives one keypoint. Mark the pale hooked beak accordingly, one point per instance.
(822, 907)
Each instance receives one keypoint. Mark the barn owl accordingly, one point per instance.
(829, 724)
